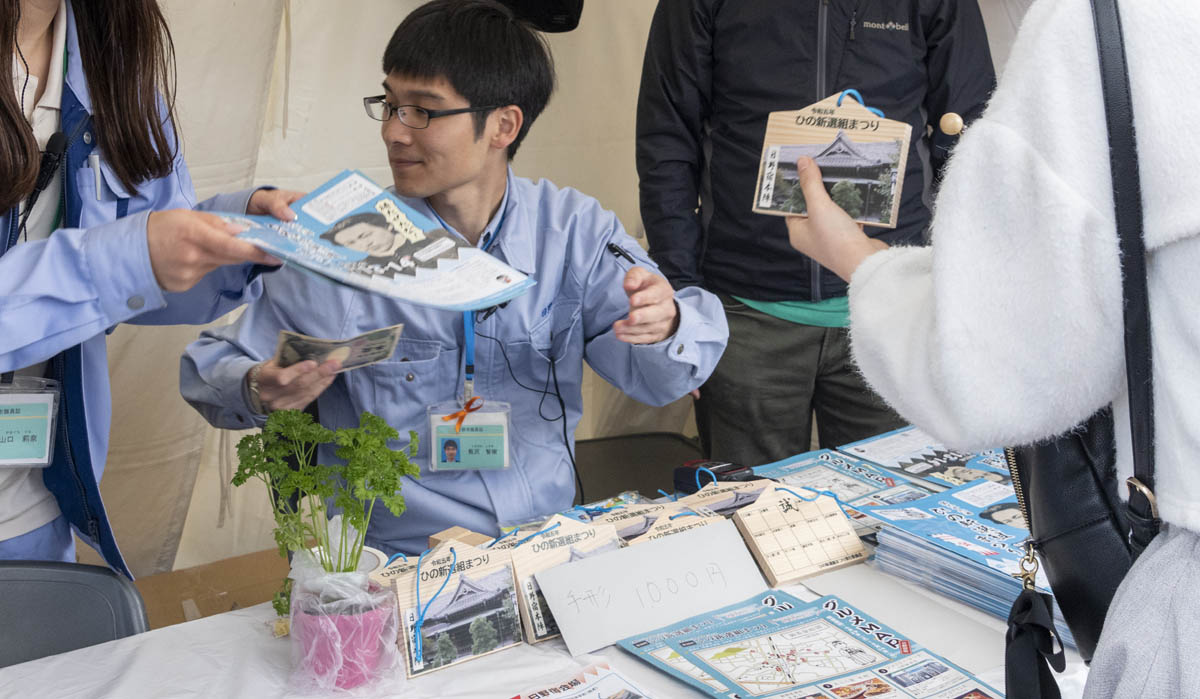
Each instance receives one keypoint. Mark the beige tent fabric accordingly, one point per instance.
(236, 87)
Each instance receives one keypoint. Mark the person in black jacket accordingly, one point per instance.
(712, 73)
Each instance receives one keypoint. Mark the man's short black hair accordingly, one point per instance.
(487, 55)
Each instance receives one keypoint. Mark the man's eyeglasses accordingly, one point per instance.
(411, 115)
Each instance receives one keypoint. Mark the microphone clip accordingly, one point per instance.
(490, 311)
(51, 158)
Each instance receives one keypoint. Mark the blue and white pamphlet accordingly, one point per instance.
(855, 482)
(913, 454)
(821, 649)
(356, 233)
(653, 648)
(966, 542)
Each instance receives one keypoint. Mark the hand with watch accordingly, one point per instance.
(270, 387)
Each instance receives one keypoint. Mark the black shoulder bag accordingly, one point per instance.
(1086, 537)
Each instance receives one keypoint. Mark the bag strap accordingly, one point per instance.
(1127, 202)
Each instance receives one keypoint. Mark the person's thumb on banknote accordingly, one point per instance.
(289, 388)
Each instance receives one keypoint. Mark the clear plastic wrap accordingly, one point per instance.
(343, 629)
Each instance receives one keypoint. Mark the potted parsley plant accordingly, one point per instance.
(343, 627)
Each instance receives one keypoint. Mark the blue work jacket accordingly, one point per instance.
(61, 296)
(559, 238)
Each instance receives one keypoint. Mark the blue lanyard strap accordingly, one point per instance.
(469, 338)
(418, 641)
(469, 316)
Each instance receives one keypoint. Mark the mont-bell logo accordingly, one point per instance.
(886, 26)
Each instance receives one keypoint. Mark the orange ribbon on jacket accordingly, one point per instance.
(471, 406)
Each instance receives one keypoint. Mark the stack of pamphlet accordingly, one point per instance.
(775, 645)
(966, 543)
(855, 482)
(914, 455)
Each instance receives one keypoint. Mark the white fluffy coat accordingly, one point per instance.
(1008, 329)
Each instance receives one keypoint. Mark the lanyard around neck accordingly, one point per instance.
(469, 316)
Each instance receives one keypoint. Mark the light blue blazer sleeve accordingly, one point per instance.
(221, 290)
(58, 292)
(659, 373)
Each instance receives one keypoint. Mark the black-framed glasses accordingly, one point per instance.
(411, 115)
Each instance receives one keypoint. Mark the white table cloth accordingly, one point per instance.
(233, 655)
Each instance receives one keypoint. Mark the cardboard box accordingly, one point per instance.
(459, 534)
(221, 586)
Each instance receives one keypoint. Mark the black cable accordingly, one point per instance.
(56, 147)
(21, 106)
(562, 405)
(23, 61)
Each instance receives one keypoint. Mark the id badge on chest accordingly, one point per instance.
(28, 412)
(469, 437)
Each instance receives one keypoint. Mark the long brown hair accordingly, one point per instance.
(129, 61)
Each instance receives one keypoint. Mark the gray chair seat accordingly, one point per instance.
(643, 462)
(50, 607)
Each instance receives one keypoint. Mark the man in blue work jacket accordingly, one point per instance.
(448, 65)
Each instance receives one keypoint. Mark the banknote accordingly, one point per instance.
(368, 348)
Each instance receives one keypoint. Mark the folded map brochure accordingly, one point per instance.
(966, 542)
(775, 645)
(354, 232)
(913, 454)
(826, 648)
(862, 157)
(855, 482)
(652, 647)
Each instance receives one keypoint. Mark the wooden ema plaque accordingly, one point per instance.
(792, 538)
(474, 614)
(862, 157)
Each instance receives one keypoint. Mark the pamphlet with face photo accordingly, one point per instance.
(980, 522)
(915, 455)
(861, 154)
(356, 233)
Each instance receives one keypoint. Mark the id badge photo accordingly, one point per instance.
(28, 418)
(470, 437)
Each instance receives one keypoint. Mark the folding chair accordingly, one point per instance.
(643, 462)
(50, 607)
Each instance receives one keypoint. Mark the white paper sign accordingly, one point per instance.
(597, 601)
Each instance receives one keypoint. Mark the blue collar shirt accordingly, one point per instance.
(557, 236)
